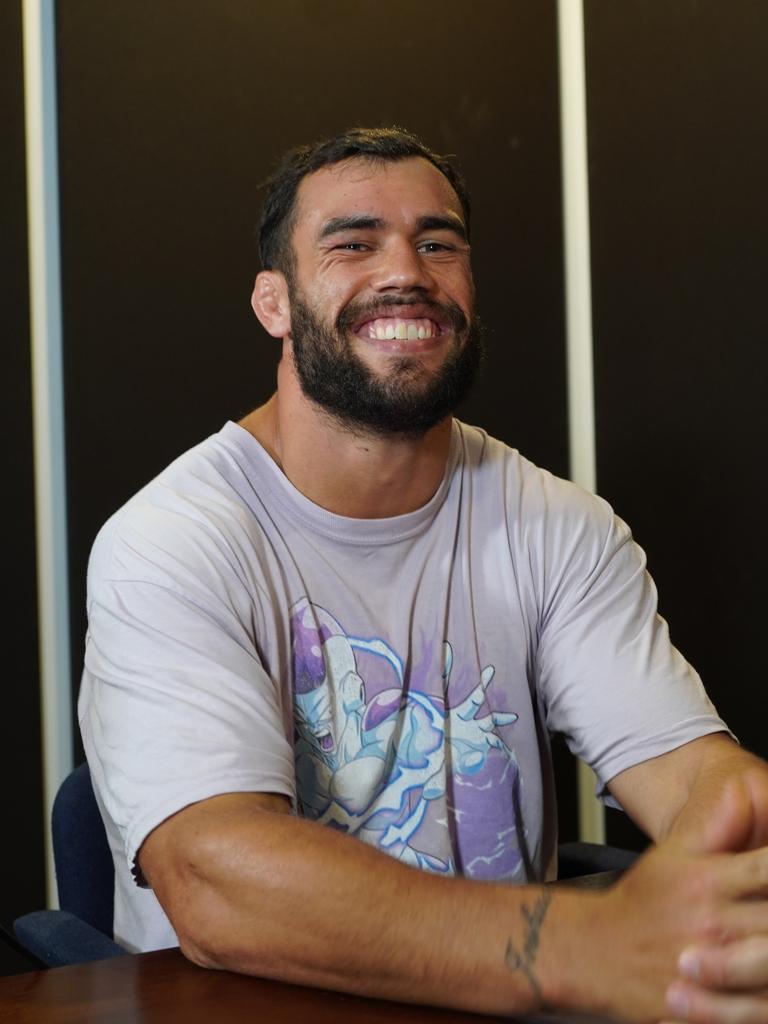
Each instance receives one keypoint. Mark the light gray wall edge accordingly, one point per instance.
(39, 25)
(578, 305)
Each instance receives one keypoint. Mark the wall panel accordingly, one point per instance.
(677, 104)
(21, 858)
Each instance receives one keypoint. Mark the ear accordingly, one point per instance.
(270, 303)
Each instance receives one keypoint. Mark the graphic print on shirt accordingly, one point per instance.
(386, 759)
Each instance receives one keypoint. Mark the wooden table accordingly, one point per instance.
(164, 987)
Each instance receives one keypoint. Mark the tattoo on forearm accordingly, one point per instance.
(523, 960)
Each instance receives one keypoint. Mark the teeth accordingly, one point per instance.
(389, 328)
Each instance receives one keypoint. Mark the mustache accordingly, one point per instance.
(445, 311)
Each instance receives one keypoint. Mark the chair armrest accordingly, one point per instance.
(59, 939)
(576, 859)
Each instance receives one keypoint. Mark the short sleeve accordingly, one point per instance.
(611, 681)
(175, 705)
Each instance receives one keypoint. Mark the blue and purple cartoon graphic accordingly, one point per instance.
(430, 781)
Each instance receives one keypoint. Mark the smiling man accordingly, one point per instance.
(327, 645)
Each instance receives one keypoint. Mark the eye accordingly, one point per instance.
(429, 247)
(352, 247)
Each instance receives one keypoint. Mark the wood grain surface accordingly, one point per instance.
(164, 987)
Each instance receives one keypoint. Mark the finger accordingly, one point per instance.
(498, 743)
(447, 659)
(700, 1006)
(742, 919)
(746, 874)
(503, 717)
(468, 707)
(738, 965)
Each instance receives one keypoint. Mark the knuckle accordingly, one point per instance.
(710, 927)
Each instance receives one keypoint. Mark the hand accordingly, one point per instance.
(728, 981)
(688, 925)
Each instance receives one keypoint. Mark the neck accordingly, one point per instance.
(349, 473)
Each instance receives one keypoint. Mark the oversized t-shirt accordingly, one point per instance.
(395, 678)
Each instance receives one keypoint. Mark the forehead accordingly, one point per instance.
(396, 191)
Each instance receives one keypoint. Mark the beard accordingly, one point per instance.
(410, 399)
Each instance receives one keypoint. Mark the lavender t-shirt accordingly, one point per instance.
(396, 678)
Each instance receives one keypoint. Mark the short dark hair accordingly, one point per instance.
(374, 144)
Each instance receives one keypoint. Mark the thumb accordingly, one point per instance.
(721, 824)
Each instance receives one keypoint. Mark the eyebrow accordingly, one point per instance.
(433, 223)
(360, 223)
(430, 222)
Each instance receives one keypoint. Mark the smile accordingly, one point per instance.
(389, 328)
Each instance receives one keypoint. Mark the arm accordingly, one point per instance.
(676, 794)
(249, 887)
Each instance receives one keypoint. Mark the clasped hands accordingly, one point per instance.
(700, 899)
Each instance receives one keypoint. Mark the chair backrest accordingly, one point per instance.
(85, 874)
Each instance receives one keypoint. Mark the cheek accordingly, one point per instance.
(464, 286)
(455, 284)
(329, 298)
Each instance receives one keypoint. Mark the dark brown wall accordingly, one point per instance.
(21, 850)
(678, 104)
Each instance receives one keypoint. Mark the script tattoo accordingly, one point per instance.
(523, 961)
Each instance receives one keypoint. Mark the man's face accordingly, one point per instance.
(381, 297)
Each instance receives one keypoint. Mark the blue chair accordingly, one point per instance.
(82, 929)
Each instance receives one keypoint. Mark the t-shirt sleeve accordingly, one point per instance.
(176, 705)
(611, 681)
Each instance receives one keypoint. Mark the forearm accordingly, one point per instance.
(280, 897)
(722, 763)
(673, 795)
(253, 889)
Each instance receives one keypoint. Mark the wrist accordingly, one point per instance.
(573, 954)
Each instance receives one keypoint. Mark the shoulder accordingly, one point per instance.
(560, 537)
(535, 498)
(193, 516)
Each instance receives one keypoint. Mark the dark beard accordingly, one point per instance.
(410, 400)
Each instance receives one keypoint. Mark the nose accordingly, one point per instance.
(402, 268)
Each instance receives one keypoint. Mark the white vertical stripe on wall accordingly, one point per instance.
(578, 305)
(48, 401)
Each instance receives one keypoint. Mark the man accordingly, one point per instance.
(353, 607)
